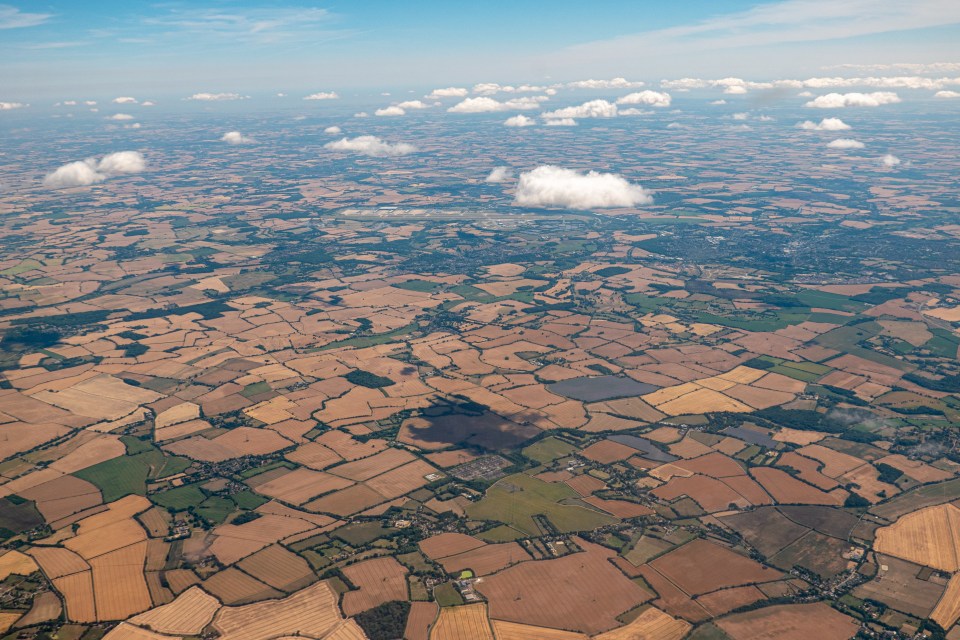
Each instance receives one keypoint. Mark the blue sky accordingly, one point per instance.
(67, 48)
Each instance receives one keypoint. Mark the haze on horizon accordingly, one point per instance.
(60, 50)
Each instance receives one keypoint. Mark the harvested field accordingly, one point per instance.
(645, 548)
(279, 568)
(915, 469)
(869, 486)
(701, 567)
(367, 468)
(947, 610)
(314, 456)
(900, 588)
(462, 623)
(790, 622)
(607, 451)
(15, 562)
(512, 631)
(652, 624)
(7, 620)
(712, 495)
(420, 620)
(448, 544)
(63, 497)
(57, 562)
(721, 601)
(715, 465)
(347, 448)
(795, 436)
(815, 552)
(929, 537)
(765, 529)
(118, 582)
(485, 560)
(180, 579)
(77, 592)
(918, 498)
(234, 541)
(19, 437)
(124, 631)
(379, 580)
(236, 443)
(156, 521)
(402, 480)
(828, 520)
(589, 605)
(786, 489)
(233, 587)
(346, 501)
(835, 463)
(311, 612)
(808, 470)
(45, 607)
(187, 615)
(302, 485)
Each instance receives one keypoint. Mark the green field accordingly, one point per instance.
(447, 595)
(179, 499)
(128, 474)
(548, 450)
(516, 499)
(216, 509)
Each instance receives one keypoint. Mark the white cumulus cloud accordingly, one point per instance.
(840, 100)
(889, 160)
(125, 100)
(91, 171)
(552, 186)
(390, 111)
(647, 97)
(413, 104)
(499, 174)
(561, 122)
(334, 130)
(449, 92)
(322, 95)
(10, 106)
(120, 116)
(615, 83)
(371, 146)
(484, 104)
(845, 143)
(235, 137)
(827, 124)
(215, 97)
(122, 162)
(946, 94)
(591, 109)
(519, 121)
(74, 174)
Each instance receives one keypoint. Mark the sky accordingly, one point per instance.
(61, 48)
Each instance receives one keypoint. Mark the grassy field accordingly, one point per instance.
(179, 499)
(128, 474)
(216, 509)
(925, 496)
(516, 499)
(548, 450)
(361, 533)
(447, 595)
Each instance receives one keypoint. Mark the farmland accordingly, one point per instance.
(278, 390)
